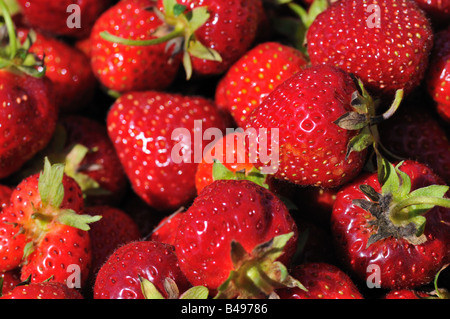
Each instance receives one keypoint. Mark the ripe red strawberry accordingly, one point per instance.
(310, 149)
(9, 280)
(438, 79)
(254, 76)
(125, 68)
(12, 245)
(121, 276)
(437, 10)
(322, 281)
(69, 70)
(230, 237)
(384, 43)
(43, 290)
(414, 133)
(167, 228)
(395, 227)
(153, 133)
(53, 16)
(45, 212)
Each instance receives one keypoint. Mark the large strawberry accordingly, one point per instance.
(121, 67)
(394, 223)
(44, 213)
(250, 79)
(159, 139)
(234, 240)
(438, 79)
(73, 18)
(122, 275)
(384, 43)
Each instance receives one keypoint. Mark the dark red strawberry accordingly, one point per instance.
(384, 43)
(322, 281)
(254, 76)
(126, 68)
(73, 18)
(68, 68)
(438, 79)
(5, 195)
(396, 230)
(9, 280)
(153, 133)
(232, 235)
(43, 290)
(122, 275)
(437, 10)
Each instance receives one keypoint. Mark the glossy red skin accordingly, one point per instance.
(28, 118)
(126, 68)
(250, 79)
(10, 279)
(12, 244)
(167, 228)
(161, 180)
(414, 133)
(438, 80)
(109, 173)
(230, 30)
(312, 149)
(224, 211)
(68, 69)
(51, 16)
(385, 62)
(323, 281)
(119, 276)
(43, 290)
(405, 294)
(402, 264)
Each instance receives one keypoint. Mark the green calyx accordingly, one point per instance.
(258, 274)
(178, 29)
(221, 172)
(16, 55)
(399, 211)
(151, 292)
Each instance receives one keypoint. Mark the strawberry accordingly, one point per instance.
(395, 222)
(232, 235)
(167, 228)
(9, 280)
(384, 43)
(69, 70)
(43, 290)
(437, 10)
(309, 147)
(438, 80)
(45, 213)
(126, 68)
(55, 17)
(322, 281)
(254, 76)
(121, 276)
(153, 133)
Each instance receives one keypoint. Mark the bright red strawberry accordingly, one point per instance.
(384, 43)
(122, 275)
(254, 76)
(12, 245)
(396, 228)
(322, 281)
(230, 237)
(125, 68)
(167, 228)
(308, 147)
(438, 79)
(45, 209)
(159, 139)
(414, 133)
(9, 280)
(43, 290)
(437, 10)
(57, 17)
(69, 70)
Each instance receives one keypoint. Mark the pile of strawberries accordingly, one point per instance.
(200, 149)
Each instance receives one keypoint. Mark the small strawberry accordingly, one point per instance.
(167, 228)
(55, 17)
(43, 290)
(9, 280)
(254, 76)
(396, 220)
(322, 281)
(384, 43)
(124, 271)
(234, 240)
(438, 80)
(156, 136)
(126, 68)
(45, 213)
